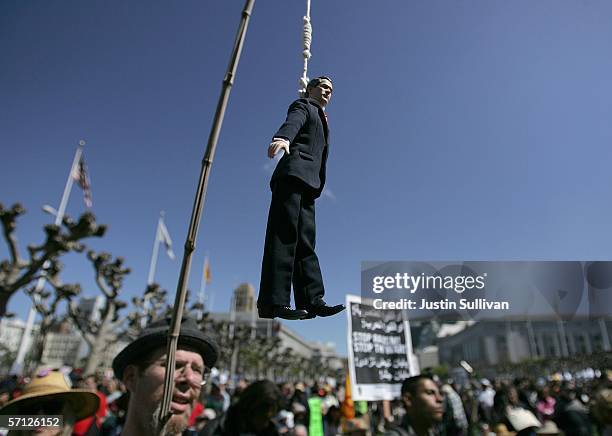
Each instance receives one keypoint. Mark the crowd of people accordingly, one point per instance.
(127, 401)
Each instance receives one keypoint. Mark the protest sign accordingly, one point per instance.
(380, 350)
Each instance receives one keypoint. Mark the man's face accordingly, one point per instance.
(147, 387)
(90, 384)
(426, 404)
(322, 92)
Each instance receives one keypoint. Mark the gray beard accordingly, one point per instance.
(174, 426)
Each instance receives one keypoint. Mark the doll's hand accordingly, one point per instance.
(276, 145)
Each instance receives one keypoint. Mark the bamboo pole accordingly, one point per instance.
(181, 291)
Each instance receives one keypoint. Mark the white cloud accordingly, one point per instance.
(270, 165)
(328, 193)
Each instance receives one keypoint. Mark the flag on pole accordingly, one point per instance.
(164, 237)
(347, 408)
(81, 176)
(207, 275)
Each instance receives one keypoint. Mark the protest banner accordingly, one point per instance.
(380, 350)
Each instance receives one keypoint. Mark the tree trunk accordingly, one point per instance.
(100, 341)
(4, 298)
(40, 340)
(95, 355)
(38, 343)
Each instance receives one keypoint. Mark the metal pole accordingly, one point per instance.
(253, 322)
(152, 268)
(234, 342)
(532, 343)
(24, 346)
(181, 291)
(155, 253)
(605, 338)
(562, 338)
(232, 326)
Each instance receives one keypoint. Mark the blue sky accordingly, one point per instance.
(460, 130)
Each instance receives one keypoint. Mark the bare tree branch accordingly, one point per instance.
(17, 273)
(105, 327)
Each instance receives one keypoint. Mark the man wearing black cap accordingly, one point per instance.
(298, 179)
(141, 367)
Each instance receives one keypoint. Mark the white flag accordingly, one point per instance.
(81, 176)
(164, 237)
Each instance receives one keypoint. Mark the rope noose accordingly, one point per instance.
(307, 37)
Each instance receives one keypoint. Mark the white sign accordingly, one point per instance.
(380, 350)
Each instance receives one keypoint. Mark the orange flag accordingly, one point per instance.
(207, 275)
(348, 406)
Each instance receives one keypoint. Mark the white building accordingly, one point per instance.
(61, 349)
(11, 333)
(491, 343)
(244, 312)
(90, 307)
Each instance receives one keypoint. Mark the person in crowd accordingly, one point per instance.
(455, 420)
(216, 400)
(328, 399)
(5, 394)
(527, 394)
(117, 412)
(200, 422)
(545, 404)
(332, 422)
(550, 428)
(299, 405)
(93, 424)
(602, 411)
(485, 400)
(424, 409)
(300, 430)
(300, 414)
(287, 391)
(141, 366)
(571, 415)
(511, 413)
(253, 414)
(500, 429)
(50, 393)
(241, 385)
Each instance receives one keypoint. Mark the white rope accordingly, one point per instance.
(307, 38)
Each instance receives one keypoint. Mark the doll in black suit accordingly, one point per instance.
(298, 180)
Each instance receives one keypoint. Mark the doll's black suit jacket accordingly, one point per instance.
(307, 131)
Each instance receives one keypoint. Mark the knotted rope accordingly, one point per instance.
(307, 38)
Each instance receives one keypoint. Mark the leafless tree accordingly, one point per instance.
(46, 303)
(104, 328)
(17, 273)
(151, 306)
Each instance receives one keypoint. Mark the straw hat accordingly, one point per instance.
(54, 386)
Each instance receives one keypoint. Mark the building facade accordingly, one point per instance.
(492, 343)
